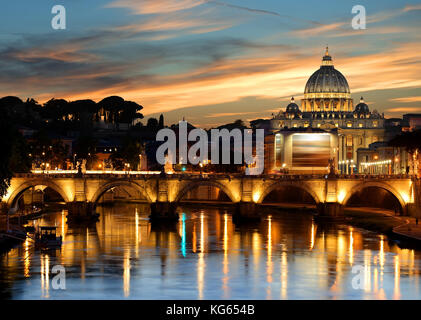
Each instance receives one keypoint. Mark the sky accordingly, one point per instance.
(211, 62)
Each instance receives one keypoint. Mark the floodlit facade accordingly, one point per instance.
(327, 106)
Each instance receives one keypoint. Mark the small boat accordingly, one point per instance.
(47, 238)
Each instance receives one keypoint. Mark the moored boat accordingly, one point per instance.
(46, 238)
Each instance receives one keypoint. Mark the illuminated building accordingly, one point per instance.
(327, 105)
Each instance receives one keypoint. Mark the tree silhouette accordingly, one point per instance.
(131, 112)
(410, 142)
(129, 152)
(161, 121)
(111, 107)
(152, 124)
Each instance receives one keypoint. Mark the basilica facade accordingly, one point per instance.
(327, 107)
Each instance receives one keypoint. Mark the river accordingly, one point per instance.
(206, 256)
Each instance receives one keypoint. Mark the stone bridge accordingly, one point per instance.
(163, 192)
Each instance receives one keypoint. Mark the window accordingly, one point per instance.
(360, 125)
(349, 141)
(306, 125)
(375, 124)
(349, 124)
(295, 125)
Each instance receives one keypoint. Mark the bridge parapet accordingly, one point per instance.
(169, 189)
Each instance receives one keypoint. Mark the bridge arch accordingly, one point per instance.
(216, 184)
(280, 184)
(119, 183)
(359, 187)
(33, 183)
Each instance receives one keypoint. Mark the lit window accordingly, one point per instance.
(295, 125)
(360, 125)
(318, 125)
(349, 141)
(306, 125)
(336, 125)
(375, 124)
(349, 124)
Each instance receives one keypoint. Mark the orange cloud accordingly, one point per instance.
(269, 77)
(407, 99)
(185, 22)
(412, 8)
(371, 31)
(155, 6)
(403, 110)
(317, 30)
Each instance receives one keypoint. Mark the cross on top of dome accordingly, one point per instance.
(327, 59)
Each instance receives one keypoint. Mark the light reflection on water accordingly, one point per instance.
(205, 256)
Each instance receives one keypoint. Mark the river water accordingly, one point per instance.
(205, 256)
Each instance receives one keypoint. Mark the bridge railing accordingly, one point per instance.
(151, 174)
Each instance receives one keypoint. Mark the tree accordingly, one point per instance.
(161, 121)
(111, 107)
(131, 112)
(129, 152)
(152, 124)
(57, 109)
(82, 107)
(20, 162)
(13, 156)
(410, 142)
(45, 150)
(6, 145)
(85, 148)
(8, 105)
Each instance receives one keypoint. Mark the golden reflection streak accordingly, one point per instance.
(313, 235)
(351, 246)
(411, 262)
(137, 233)
(376, 280)
(396, 293)
(341, 251)
(225, 261)
(284, 275)
(27, 261)
(382, 259)
(269, 257)
(201, 261)
(63, 223)
(367, 271)
(194, 239)
(256, 250)
(45, 276)
(126, 273)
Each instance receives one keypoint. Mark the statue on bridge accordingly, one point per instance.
(331, 168)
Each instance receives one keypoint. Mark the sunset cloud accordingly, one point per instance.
(403, 110)
(215, 59)
(308, 32)
(407, 99)
(155, 6)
